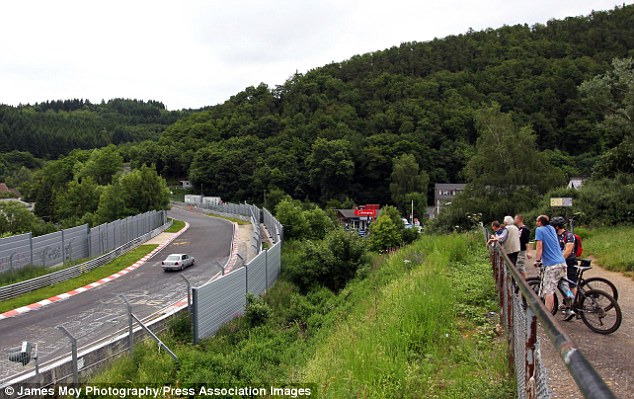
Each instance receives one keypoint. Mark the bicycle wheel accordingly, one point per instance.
(599, 311)
(534, 283)
(601, 284)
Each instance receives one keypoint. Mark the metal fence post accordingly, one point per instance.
(63, 248)
(31, 246)
(529, 367)
(266, 270)
(189, 294)
(73, 345)
(130, 325)
(195, 315)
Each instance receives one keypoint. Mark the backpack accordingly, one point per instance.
(578, 249)
(578, 246)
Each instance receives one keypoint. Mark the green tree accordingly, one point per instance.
(101, 166)
(318, 223)
(140, 191)
(612, 95)
(330, 167)
(289, 212)
(15, 218)
(384, 233)
(78, 199)
(406, 180)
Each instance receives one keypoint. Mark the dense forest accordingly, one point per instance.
(53, 128)
(513, 111)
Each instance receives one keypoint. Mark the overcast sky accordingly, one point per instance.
(190, 54)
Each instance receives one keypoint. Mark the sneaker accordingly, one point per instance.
(569, 314)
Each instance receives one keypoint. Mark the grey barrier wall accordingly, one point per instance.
(218, 302)
(275, 228)
(17, 289)
(75, 243)
(222, 300)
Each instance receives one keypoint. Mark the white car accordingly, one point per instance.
(177, 262)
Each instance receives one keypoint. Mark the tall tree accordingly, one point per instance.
(406, 181)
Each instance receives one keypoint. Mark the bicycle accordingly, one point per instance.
(598, 310)
(592, 283)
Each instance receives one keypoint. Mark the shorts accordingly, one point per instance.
(552, 275)
(572, 272)
(521, 262)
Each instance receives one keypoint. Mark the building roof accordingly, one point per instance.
(347, 213)
(450, 186)
(5, 189)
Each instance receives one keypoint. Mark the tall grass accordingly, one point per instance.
(611, 246)
(411, 325)
(424, 334)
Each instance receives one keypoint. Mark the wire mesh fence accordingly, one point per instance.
(521, 311)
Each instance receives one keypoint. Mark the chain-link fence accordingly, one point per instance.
(521, 311)
(75, 243)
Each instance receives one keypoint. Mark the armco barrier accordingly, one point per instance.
(17, 289)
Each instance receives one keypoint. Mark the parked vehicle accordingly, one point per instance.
(177, 262)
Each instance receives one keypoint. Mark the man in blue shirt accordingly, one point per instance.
(549, 254)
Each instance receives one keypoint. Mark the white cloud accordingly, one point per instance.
(194, 53)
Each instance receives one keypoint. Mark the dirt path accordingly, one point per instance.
(611, 355)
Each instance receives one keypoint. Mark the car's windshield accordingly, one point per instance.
(174, 257)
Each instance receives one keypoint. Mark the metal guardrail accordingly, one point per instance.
(17, 289)
(521, 310)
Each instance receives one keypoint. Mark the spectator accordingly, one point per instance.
(512, 244)
(524, 235)
(549, 255)
(567, 246)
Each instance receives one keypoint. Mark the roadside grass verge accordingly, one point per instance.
(106, 270)
(611, 246)
(409, 326)
(176, 226)
(234, 220)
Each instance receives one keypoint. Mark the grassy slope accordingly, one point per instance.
(611, 246)
(176, 226)
(423, 334)
(409, 329)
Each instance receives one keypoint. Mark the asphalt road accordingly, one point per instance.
(100, 312)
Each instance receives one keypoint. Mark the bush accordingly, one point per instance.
(330, 263)
(256, 312)
(384, 233)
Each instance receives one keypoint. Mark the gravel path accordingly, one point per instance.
(611, 355)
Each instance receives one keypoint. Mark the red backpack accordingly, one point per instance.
(578, 246)
(578, 250)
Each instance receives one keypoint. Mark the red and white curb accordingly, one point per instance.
(61, 297)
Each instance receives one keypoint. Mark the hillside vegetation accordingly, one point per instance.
(514, 112)
(413, 325)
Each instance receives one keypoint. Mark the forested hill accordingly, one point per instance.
(335, 131)
(54, 128)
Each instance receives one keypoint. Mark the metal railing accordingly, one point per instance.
(522, 309)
